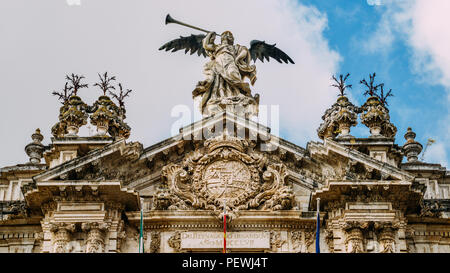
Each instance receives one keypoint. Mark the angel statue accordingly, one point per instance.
(224, 87)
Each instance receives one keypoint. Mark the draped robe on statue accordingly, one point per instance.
(225, 73)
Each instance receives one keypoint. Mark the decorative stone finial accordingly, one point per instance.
(73, 113)
(375, 113)
(35, 149)
(107, 116)
(338, 119)
(411, 148)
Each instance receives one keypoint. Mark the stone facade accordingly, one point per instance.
(88, 194)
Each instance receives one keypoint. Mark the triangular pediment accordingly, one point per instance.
(140, 169)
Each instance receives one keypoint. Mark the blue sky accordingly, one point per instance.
(419, 101)
(406, 42)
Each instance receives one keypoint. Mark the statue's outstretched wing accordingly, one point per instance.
(261, 50)
(191, 43)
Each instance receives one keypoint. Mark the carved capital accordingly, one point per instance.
(61, 236)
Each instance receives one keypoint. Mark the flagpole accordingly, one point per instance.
(318, 227)
(141, 230)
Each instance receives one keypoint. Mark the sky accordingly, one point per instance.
(405, 42)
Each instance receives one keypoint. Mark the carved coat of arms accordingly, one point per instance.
(224, 175)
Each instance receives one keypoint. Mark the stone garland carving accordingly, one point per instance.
(310, 236)
(376, 116)
(275, 241)
(121, 237)
(297, 241)
(61, 236)
(431, 208)
(175, 241)
(338, 119)
(95, 241)
(329, 239)
(224, 175)
(156, 242)
(302, 240)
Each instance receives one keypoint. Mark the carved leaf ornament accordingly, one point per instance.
(225, 176)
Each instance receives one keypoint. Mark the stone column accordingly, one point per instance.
(116, 229)
(95, 240)
(386, 233)
(354, 242)
(61, 236)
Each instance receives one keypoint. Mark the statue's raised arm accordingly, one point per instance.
(208, 42)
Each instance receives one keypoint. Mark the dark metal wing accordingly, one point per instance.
(191, 43)
(260, 50)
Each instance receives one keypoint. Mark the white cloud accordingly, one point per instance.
(374, 2)
(424, 25)
(44, 40)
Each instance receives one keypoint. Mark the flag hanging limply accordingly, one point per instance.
(224, 225)
(141, 234)
(318, 227)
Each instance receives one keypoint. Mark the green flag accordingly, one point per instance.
(141, 234)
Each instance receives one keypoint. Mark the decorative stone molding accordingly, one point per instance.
(155, 243)
(309, 238)
(224, 175)
(376, 116)
(61, 236)
(49, 207)
(175, 241)
(301, 240)
(95, 240)
(329, 239)
(338, 119)
(276, 242)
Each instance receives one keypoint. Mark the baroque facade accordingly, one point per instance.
(375, 196)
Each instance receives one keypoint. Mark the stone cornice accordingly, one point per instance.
(80, 161)
(200, 219)
(329, 145)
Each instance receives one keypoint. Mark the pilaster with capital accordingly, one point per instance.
(61, 237)
(354, 241)
(116, 225)
(95, 240)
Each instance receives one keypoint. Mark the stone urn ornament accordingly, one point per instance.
(73, 112)
(103, 115)
(35, 149)
(375, 113)
(75, 116)
(341, 116)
